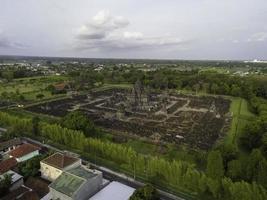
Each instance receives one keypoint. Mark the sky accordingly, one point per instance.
(156, 29)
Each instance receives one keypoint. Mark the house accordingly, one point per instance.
(7, 165)
(16, 180)
(53, 166)
(9, 145)
(24, 152)
(115, 190)
(79, 183)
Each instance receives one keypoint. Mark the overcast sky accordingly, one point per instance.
(176, 29)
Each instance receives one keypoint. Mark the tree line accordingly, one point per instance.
(177, 175)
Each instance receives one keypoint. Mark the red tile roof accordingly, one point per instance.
(6, 165)
(23, 150)
(60, 160)
(60, 86)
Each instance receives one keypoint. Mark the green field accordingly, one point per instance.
(240, 116)
(30, 87)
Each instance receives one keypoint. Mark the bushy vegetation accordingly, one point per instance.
(5, 183)
(177, 175)
(30, 167)
(147, 192)
(236, 169)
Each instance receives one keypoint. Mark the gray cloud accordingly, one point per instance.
(91, 36)
(186, 29)
(258, 37)
(106, 32)
(6, 43)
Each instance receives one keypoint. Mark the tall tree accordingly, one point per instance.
(215, 168)
(79, 121)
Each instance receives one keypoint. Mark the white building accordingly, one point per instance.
(114, 190)
(53, 166)
(79, 183)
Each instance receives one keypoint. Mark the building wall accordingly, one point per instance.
(58, 195)
(52, 173)
(90, 188)
(49, 172)
(28, 156)
(74, 165)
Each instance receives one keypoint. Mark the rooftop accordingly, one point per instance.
(9, 143)
(82, 172)
(67, 183)
(115, 190)
(60, 86)
(6, 165)
(60, 160)
(23, 150)
(15, 193)
(70, 181)
(15, 176)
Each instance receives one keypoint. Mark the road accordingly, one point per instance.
(110, 174)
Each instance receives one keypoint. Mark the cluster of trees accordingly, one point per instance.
(17, 72)
(5, 183)
(79, 121)
(254, 136)
(86, 79)
(17, 126)
(210, 82)
(30, 167)
(225, 162)
(14, 96)
(175, 175)
(147, 192)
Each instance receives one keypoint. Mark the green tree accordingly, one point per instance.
(148, 192)
(30, 167)
(8, 75)
(252, 165)
(39, 96)
(5, 183)
(35, 125)
(79, 121)
(235, 170)
(251, 136)
(215, 168)
(262, 173)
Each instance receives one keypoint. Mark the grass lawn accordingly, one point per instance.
(32, 86)
(142, 147)
(169, 152)
(240, 116)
